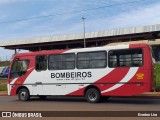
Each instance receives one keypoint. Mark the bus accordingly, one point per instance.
(95, 73)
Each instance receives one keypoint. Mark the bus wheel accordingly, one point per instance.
(23, 94)
(92, 95)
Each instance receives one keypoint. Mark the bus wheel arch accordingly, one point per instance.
(92, 94)
(23, 93)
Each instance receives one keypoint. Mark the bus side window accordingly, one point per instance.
(61, 61)
(91, 60)
(41, 63)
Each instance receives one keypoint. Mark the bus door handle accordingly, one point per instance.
(58, 85)
(38, 83)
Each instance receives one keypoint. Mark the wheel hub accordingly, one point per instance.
(23, 95)
(92, 96)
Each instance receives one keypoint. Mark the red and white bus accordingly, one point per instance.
(121, 70)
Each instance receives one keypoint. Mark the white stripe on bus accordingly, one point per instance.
(129, 75)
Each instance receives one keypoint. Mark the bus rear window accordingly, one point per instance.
(126, 58)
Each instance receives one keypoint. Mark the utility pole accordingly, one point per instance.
(83, 19)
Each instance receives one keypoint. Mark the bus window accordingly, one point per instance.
(61, 61)
(125, 58)
(19, 68)
(88, 60)
(41, 62)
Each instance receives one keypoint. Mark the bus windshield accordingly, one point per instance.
(19, 68)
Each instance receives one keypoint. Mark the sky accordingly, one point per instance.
(67, 17)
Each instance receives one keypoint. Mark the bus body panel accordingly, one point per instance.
(118, 81)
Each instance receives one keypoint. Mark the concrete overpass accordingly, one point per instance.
(150, 33)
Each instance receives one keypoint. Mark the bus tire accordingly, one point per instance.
(23, 94)
(92, 95)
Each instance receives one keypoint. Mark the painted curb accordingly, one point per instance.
(3, 93)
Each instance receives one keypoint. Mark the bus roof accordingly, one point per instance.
(119, 46)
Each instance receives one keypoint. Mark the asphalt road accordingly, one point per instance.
(9, 103)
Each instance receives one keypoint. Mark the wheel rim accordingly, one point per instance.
(23, 95)
(92, 96)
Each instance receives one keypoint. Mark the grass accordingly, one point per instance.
(3, 88)
(158, 75)
(3, 85)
